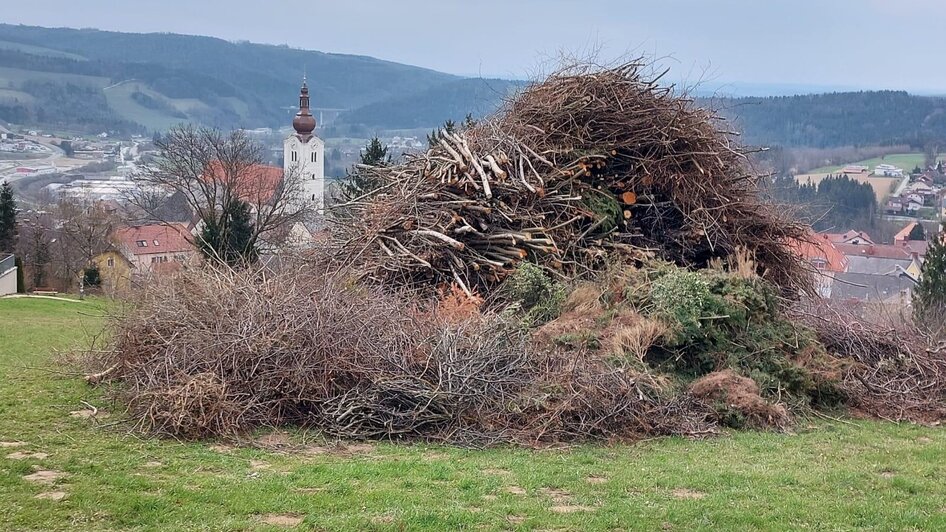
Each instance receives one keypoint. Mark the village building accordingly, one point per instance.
(850, 237)
(115, 271)
(155, 248)
(304, 152)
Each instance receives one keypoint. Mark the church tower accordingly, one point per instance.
(304, 153)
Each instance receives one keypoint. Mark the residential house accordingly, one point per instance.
(115, 270)
(850, 237)
(914, 197)
(825, 257)
(876, 259)
(156, 247)
(893, 206)
(867, 288)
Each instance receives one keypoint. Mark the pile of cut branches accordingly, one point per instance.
(589, 163)
(216, 352)
(889, 370)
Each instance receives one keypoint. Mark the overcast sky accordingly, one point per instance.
(830, 43)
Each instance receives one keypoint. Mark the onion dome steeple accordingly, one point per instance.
(304, 122)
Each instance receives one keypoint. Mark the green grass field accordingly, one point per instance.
(907, 161)
(62, 471)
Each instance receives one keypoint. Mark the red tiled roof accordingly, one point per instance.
(875, 250)
(256, 184)
(840, 238)
(904, 234)
(156, 238)
(821, 249)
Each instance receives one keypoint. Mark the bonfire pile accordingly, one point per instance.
(588, 163)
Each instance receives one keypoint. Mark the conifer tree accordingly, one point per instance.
(7, 218)
(357, 183)
(929, 295)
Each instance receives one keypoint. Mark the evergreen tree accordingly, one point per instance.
(434, 137)
(375, 153)
(917, 233)
(357, 182)
(929, 295)
(230, 239)
(7, 218)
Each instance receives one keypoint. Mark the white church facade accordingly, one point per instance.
(304, 153)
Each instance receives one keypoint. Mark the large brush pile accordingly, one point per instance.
(218, 353)
(588, 163)
(675, 322)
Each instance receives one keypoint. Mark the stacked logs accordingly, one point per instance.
(585, 165)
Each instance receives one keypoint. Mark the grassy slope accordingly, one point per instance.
(828, 476)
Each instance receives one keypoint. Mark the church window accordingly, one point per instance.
(313, 157)
(111, 262)
(313, 197)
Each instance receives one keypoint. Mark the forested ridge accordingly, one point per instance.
(239, 84)
(837, 119)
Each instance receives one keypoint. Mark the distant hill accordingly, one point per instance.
(837, 119)
(431, 107)
(125, 81)
(94, 81)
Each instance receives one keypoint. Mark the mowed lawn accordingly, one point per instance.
(63, 471)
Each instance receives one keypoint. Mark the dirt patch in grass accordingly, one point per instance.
(24, 455)
(569, 508)
(153, 464)
(52, 495)
(275, 440)
(562, 502)
(8, 444)
(286, 520)
(515, 490)
(686, 493)
(45, 476)
(88, 413)
(596, 480)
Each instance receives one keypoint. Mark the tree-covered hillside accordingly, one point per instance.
(838, 119)
(253, 83)
(450, 101)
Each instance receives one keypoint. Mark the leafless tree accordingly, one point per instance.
(218, 173)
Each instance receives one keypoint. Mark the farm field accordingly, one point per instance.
(63, 468)
(907, 161)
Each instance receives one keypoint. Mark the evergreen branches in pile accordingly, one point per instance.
(590, 162)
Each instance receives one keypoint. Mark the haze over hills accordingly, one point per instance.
(154, 80)
(91, 81)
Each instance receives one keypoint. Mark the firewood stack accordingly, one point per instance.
(588, 165)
